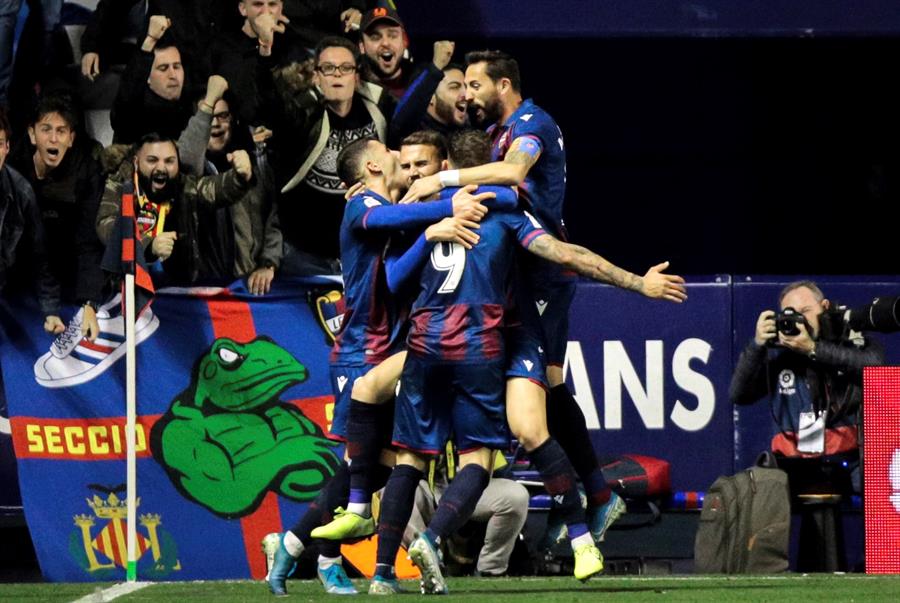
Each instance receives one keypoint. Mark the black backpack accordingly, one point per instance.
(745, 524)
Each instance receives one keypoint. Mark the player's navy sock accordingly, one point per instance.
(458, 502)
(320, 511)
(364, 443)
(396, 508)
(567, 425)
(560, 482)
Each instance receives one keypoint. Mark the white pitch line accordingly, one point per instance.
(113, 592)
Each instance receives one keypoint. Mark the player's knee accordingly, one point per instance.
(530, 436)
(363, 390)
(555, 375)
(408, 457)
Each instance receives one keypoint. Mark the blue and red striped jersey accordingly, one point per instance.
(459, 310)
(544, 188)
(369, 328)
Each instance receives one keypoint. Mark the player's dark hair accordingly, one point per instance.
(60, 103)
(337, 42)
(429, 137)
(469, 148)
(350, 161)
(499, 65)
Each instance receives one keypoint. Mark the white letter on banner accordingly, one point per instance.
(694, 383)
(618, 371)
(581, 385)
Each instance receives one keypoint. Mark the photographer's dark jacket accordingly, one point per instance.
(793, 383)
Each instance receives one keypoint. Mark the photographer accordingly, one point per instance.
(808, 367)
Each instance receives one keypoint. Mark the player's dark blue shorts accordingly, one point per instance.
(553, 300)
(342, 378)
(438, 401)
(525, 355)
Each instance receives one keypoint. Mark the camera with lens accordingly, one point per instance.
(788, 322)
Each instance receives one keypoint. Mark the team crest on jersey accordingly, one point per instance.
(786, 382)
(103, 553)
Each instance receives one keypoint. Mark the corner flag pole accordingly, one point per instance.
(130, 427)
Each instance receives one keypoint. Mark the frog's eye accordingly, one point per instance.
(228, 356)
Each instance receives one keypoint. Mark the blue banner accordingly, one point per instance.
(233, 397)
(652, 376)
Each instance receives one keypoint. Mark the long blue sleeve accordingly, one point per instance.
(399, 217)
(507, 199)
(401, 268)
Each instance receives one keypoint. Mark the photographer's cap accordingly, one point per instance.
(378, 14)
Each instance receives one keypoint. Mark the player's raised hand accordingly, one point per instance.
(240, 161)
(422, 189)
(468, 206)
(663, 286)
(453, 230)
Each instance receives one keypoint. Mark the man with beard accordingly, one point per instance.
(65, 176)
(333, 110)
(244, 239)
(150, 95)
(436, 100)
(167, 204)
(528, 151)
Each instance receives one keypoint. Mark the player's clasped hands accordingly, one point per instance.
(664, 286)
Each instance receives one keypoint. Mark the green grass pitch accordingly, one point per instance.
(790, 588)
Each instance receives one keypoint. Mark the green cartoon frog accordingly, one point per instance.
(227, 439)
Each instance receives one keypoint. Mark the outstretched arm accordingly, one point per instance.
(522, 154)
(654, 284)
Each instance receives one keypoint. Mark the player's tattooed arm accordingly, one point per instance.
(523, 153)
(653, 284)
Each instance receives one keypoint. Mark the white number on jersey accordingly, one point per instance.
(449, 258)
